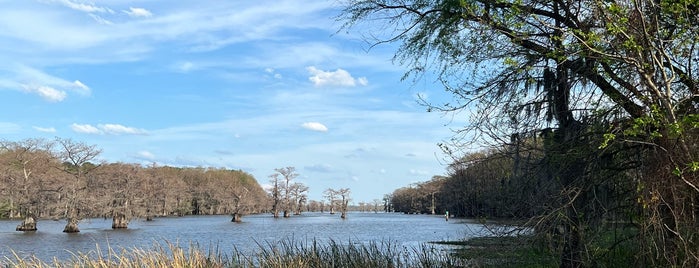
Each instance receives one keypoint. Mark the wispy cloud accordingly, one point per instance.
(48, 87)
(45, 129)
(108, 129)
(117, 129)
(45, 92)
(315, 126)
(322, 168)
(85, 128)
(89, 8)
(101, 20)
(138, 12)
(337, 78)
(146, 155)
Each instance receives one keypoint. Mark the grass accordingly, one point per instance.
(502, 251)
(609, 247)
(284, 254)
(170, 256)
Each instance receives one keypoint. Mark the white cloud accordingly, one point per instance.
(146, 155)
(315, 126)
(185, 67)
(48, 87)
(45, 92)
(109, 129)
(86, 128)
(85, 7)
(82, 88)
(45, 129)
(138, 12)
(338, 78)
(363, 81)
(101, 20)
(117, 129)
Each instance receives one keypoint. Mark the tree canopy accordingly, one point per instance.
(603, 93)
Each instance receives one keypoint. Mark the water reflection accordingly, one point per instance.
(218, 233)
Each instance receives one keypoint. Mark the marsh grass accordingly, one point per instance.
(279, 255)
(170, 255)
(502, 251)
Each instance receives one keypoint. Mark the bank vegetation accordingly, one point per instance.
(580, 117)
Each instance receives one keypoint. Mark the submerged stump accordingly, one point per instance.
(27, 225)
(236, 217)
(71, 226)
(119, 221)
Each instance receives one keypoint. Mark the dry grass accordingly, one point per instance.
(281, 255)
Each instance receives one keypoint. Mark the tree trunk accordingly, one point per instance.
(71, 226)
(343, 215)
(28, 224)
(286, 214)
(119, 221)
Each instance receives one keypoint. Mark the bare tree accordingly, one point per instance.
(298, 196)
(377, 202)
(331, 196)
(276, 194)
(76, 157)
(26, 164)
(288, 175)
(344, 194)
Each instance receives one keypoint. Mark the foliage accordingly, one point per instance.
(504, 251)
(600, 98)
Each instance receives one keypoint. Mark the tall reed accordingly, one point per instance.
(270, 255)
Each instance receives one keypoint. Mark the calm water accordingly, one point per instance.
(219, 233)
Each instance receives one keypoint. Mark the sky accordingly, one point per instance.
(248, 85)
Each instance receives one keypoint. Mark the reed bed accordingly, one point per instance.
(280, 255)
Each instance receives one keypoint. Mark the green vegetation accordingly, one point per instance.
(580, 118)
(503, 251)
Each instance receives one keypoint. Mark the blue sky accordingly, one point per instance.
(251, 85)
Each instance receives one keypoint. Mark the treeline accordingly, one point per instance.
(62, 179)
(507, 182)
(607, 190)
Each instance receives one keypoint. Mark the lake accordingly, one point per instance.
(219, 233)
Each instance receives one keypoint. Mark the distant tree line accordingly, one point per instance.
(485, 184)
(62, 179)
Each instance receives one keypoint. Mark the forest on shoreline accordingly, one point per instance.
(63, 179)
